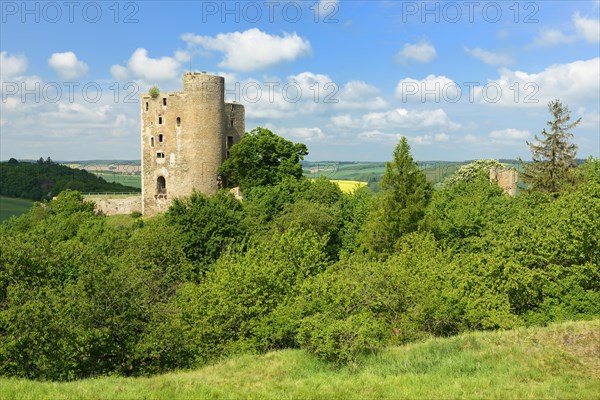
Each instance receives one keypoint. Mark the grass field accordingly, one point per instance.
(10, 206)
(558, 362)
(128, 180)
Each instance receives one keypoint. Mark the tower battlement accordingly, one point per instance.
(185, 137)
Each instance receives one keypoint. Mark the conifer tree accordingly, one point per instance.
(405, 195)
(553, 156)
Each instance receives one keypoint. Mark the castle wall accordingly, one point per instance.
(506, 178)
(117, 205)
(185, 138)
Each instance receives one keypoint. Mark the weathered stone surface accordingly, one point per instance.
(506, 178)
(185, 138)
(116, 205)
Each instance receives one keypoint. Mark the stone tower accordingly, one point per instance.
(185, 138)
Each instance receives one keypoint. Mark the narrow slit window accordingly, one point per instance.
(178, 122)
(160, 120)
(164, 101)
(161, 138)
(146, 106)
(152, 142)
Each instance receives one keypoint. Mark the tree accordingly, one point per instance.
(470, 172)
(402, 203)
(553, 156)
(263, 158)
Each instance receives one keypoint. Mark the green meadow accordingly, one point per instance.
(555, 362)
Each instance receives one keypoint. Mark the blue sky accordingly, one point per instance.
(462, 80)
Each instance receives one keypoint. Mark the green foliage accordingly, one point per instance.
(553, 155)
(401, 205)
(44, 180)
(154, 92)
(83, 295)
(263, 158)
(208, 224)
(465, 208)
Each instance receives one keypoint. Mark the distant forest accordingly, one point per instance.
(44, 179)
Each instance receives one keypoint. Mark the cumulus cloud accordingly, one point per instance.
(399, 118)
(431, 89)
(252, 49)
(509, 135)
(360, 95)
(153, 69)
(12, 65)
(572, 82)
(552, 37)
(421, 52)
(589, 28)
(306, 93)
(67, 66)
(119, 72)
(489, 57)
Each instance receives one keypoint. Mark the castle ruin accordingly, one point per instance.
(185, 137)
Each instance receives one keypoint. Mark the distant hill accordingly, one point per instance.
(45, 179)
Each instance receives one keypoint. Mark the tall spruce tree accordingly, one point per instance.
(553, 156)
(401, 205)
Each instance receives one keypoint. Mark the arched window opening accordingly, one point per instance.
(178, 122)
(161, 138)
(164, 101)
(161, 188)
(160, 120)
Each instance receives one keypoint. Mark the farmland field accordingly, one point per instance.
(128, 180)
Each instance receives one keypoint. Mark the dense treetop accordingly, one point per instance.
(45, 179)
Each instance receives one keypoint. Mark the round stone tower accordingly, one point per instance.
(185, 138)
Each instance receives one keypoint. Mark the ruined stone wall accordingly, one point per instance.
(185, 139)
(117, 205)
(506, 178)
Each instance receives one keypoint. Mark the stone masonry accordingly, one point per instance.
(185, 137)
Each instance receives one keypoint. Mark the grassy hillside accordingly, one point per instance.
(10, 206)
(560, 361)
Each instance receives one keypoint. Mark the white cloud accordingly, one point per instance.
(252, 49)
(552, 37)
(153, 69)
(421, 52)
(589, 28)
(67, 66)
(431, 89)
(119, 72)
(489, 57)
(399, 118)
(11, 66)
(360, 95)
(430, 139)
(509, 134)
(572, 82)
(306, 93)
(303, 134)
